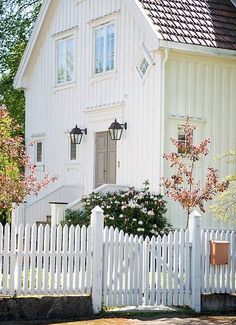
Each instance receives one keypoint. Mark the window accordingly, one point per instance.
(143, 66)
(182, 140)
(39, 152)
(105, 48)
(73, 153)
(65, 70)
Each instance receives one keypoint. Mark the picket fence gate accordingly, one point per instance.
(115, 268)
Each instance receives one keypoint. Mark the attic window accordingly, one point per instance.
(143, 66)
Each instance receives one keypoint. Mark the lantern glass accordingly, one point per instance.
(76, 135)
(115, 130)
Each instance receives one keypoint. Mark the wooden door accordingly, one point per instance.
(105, 168)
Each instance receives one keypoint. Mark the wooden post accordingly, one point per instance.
(57, 212)
(195, 240)
(97, 224)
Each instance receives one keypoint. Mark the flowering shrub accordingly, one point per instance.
(134, 211)
(15, 185)
(182, 186)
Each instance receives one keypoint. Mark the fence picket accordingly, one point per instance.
(126, 269)
(6, 258)
(146, 270)
(110, 265)
(158, 275)
(120, 269)
(33, 258)
(140, 271)
(77, 258)
(89, 261)
(187, 269)
(164, 269)
(52, 265)
(18, 268)
(105, 265)
(176, 267)
(83, 258)
(71, 259)
(46, 258)
(170, 268)
(40, 240)
(181, 267)
(26, 265)
(152, 271)
(227, 237)
(233, 258)
(12, 253)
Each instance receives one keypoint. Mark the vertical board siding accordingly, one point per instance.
(203, 88)
(218, 278)
(45, 261)
(56, 112)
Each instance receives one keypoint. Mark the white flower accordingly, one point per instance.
(111, 218)
(154, 226)
(140, 229)
(121, 216)
(151, 213)
(134, 219)
(140, 223)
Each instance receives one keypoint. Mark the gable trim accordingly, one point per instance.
(30, 46)
(197, 48)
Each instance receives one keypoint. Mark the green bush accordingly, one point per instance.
(134, 211)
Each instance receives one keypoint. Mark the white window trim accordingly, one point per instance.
(111, 19)
(144, 54)
(57, 37)
(39, 164)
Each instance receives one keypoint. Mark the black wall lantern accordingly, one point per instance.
(116, 130)
(76, 135)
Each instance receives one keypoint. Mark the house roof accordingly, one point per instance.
(210, 23)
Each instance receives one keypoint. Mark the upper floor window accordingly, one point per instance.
(143, 66)
(65, 67)
(105, 48)
(39, 152)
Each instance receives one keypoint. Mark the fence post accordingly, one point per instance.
(57, 212)
(195, 239)
(97, 224)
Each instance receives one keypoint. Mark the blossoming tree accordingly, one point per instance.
(182, 186)
(15, 184)
(224, 207)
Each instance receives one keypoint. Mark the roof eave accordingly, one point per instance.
(18, 80)
(197, 48)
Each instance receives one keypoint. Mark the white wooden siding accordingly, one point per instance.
(123, 94)
(203, 88)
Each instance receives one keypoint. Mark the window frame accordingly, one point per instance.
(104, 26)
(143, 75)
(38, 163)
(59, 38)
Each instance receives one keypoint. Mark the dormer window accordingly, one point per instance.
(65, 67)
(104, 48)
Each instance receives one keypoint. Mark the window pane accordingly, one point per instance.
(99, 50)
(110, 55)
(39, 151)
(65, 60)
(70, 59)
(61, 56)
(72, 151)
(143, 66)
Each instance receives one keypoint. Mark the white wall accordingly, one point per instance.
(202, 87)
(95, 102)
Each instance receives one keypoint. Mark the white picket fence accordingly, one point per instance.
(115, 268)
(218, 278)
(45, 261)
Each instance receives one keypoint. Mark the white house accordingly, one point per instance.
(147, 63)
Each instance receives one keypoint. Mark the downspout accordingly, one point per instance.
(162, 114)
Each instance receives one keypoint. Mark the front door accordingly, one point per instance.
(105, 169)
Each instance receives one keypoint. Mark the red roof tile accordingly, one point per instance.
(199, 22)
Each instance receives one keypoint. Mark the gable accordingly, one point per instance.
(210, 23)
